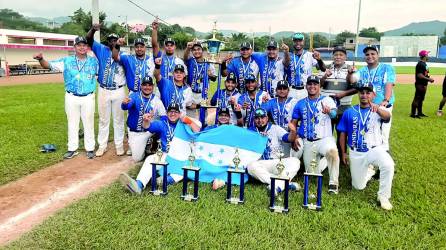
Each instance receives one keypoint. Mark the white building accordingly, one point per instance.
(408, 46)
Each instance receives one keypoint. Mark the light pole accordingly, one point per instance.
(357, 30)
(126, 30)
(95, 18)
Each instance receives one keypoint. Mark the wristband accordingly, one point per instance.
(157, 66)
(187, 120)
(117, 47)
(223, 65)
(238, 114)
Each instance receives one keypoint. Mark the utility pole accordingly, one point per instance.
(95, 18)
(357, 30)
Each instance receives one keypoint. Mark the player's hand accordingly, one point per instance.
(155, 24)
(190, 45)
(147, 117)
(345, 159)
(292, 127)
(384, 103)
(121, 41)
(328, 73)
(296, 145)
(96, 26)
(336, 96)
(232, 100)
(325, 108)
(431, 80)
(284, 47)
(158, 60)
(352, 69)
(228, 57)
(317, 55)
(245, 105)
(38, 56)
(265, 98)
(237, 107)
(126, 100)
(373, 107)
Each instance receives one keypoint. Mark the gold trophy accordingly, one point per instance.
(283, 177)
(185, 195)
(307, 175)
(230, 195)
(163, 164)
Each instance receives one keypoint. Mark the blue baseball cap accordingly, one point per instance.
(370, 47)
(366, 86)
(139, 40)
(298, 36)
(250, 77)
(231, 77)
(260, 112)
(80, 39)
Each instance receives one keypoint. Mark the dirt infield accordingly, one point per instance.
(410, 79)
(27, 202)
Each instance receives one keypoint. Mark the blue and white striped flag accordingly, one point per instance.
(214, 150)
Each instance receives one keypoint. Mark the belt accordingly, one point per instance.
(75, 94)
(111, 88)
(297, 87)
(362, 150)
(196, 91)
(313, 140)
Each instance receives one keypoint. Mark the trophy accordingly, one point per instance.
(307, 196)
(236, 170)
(185, 195)
(161, 163)
(204, 106)
(283, 177)
(213, 45)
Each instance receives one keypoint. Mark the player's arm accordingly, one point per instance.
(342, 140)
(194, 124)
(116, 49)
(390, 82)
(127, 103)
(224, 64)
(157, 71)
(155, 44)
(295, 143)
(292, 135)
(147, 119)
(286, 51)
(238, 114)
(90, 35)
(187, 51)
(320, 62)
(44, 63)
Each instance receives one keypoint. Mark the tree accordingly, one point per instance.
(340, 38)
(319, 41)
(10, 19)
(371, 32)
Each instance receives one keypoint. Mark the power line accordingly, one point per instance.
(148, 12)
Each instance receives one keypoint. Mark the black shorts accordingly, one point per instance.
(420, 91)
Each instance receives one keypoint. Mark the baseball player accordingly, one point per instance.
(241, 66)
(111, 78)
(169, 60)
(227, 98)
(300, 65)
(224, 118)
(382, 76)
(250, 101)
(280, 109)
(271, 68)
(165, 128)
(138, 104)
(137, 66)
(422, 78)
(361, 125)
(263, 169)
(315, 135)
(79, 71)
(173, 91)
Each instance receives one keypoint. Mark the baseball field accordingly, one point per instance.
(112, 218)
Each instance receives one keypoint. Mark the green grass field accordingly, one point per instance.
(112, 218)
(411, 70)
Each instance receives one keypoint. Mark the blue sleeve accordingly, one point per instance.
(342, 125)
(285, 137)
(97, 48)
(296, 113)
(162, 84)
(231, 67)
(125, 60)
(155, 127)
(241, 100)
(130, 104)
(258, 57)
(160, 54)
(267, 106)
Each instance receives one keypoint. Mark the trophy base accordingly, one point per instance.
(189, 197)
(313, 207)
(312, 174)
(158, 193)
(279, 209)
(237, 170)
(235, 201)
(162, 164)
(191, 168)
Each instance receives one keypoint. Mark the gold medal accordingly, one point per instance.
(270, 79)
(78, 76)
(363, 132)
(312, 120)
(170, 74)
(198, 80)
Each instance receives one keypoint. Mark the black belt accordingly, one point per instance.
(75, 94)
(196, 91)
(297, 87)
(111, 88)
(362, 150)
(313, 140)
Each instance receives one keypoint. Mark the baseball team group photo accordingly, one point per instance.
(122, 129)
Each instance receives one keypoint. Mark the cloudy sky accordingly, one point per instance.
(248, 16)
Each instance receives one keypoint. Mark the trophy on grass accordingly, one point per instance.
(185, 195)
(230, 198)
(159, 162)
(307, 179)
(281, 176)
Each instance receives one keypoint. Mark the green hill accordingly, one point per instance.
(432, 27)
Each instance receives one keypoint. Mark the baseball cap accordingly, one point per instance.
(298, 36)
(179, 67)
(197, 43)
(282, 84)
(370, 47)
(224, 111)
(423, 53)
(231, 77)
(245, 45)
(169, 40)
(112, 36)
(147, 80)
(366, 86)
(313, 78)
(80, 39)
(272, 44)
(260, 112)
(339, 48)
(250, 77)
(173, 106)
(139, 40)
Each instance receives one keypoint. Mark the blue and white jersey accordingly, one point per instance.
(271, 71)
(79, 75)
(198, 78)
(140, 105)
(313, 123)
(171, 93)
(164, 129)
(301, 66)
(255, 103)
(276, 135)
(221, 99)
(111, 73)
(136, 69)
(281, 112)
(380, 76)
(168, 65)
(363, 128)
(241, 70)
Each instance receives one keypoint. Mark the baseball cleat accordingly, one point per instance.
(90, 154)
(439, 112)
(129, 152)
(129, 183)
(100, 152)
(333, 189)
(120, 151)
(385, 203)
(70, 154)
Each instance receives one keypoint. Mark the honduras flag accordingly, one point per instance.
(214, 150)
